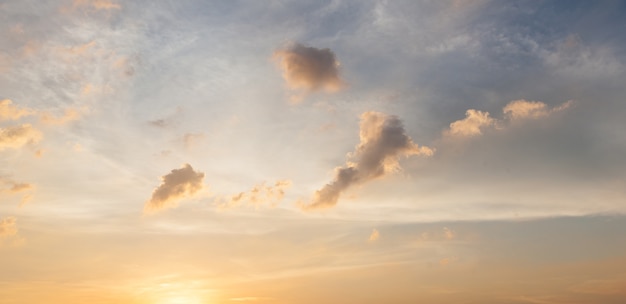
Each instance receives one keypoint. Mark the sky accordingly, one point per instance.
(187, 152)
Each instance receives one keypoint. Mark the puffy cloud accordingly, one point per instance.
(18, 136)
(8, 111)
(473, 124)
(258, 196)
(383, 141)
(374, 236)
(309, 68)
(177, 184)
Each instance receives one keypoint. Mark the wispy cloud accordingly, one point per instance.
(176, 185)
(476, 122)
(18, 136)
(9, 233)
(383, 142)
(374, 236)
(96, 4)
(8, 227)
(68, 116)
(260, 195)
(9, 111)
(524, 109)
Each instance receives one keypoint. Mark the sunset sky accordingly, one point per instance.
(306, 152)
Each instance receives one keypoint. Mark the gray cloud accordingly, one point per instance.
(177, 184)
(309, 68)
(383, 142)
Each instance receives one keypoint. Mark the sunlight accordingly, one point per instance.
(181, 299)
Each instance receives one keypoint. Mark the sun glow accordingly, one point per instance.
(181, 299)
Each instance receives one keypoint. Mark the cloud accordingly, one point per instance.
(473, 124)
(8, 111)
(523, 109)
(476, 122)
(176, 185)
(18, 136)
(383, 142)
(68, 116)
(9, 233)
(448, 233)
(97, 4)
(14, 187)
(448, 261)
(19, 187)
(190, 139)
(374, 236)
(309, 68)
(258, 196)
(8, 227)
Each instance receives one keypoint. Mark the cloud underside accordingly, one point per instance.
(309, 68)
(176, 185)
(476, 122)
(383, 141)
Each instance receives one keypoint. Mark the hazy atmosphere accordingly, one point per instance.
(301, 152)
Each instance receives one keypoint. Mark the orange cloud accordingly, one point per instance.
(68, 116)
(374, 236)
(473, 124)
(17, 188)
(8, 227)
(309, 68)
(18, 136)
(9, 233)
(383, 142)
(258, 196)
(176, 185)
(8, 111)
(448, 233)
(523, 109)
(97, 4)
